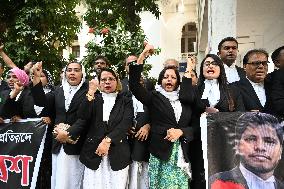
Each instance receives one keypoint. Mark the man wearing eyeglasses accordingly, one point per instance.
(253, 88)
(99, 63)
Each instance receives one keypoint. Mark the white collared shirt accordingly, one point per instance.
(260, 91)
(109, 101)
(231, 73)
(137, 105)
(211, 92)
(69, 96)
(255, 182)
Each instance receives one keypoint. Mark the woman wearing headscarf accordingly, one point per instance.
(170, 114)
(107, 116)
(19, 102)
(63, 104)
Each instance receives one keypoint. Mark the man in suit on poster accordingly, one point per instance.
(259, 140)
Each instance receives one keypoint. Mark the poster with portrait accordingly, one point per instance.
(21, 147)
(242, 150)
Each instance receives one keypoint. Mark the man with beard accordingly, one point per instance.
(259, 140)
(99, 63)
(227, 51)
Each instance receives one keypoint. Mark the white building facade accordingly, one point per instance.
(197, 26)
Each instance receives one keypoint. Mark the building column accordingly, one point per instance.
(221, 22)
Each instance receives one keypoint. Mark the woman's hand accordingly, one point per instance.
(93, 86)
(28, 67)
(173, 134)
(46, 120)
(143, 132)
(61, 135)
(191, 63)
(36, 73)
(1, 120)
(103, 148)
(148, 50)
(15, 118)
(18, 87)
(211, 110)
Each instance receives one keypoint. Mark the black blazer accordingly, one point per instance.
(222, 105)
(235, 176)
(91, 119)
(3, 97)
(55, 102)
(249, 96)
(125, 86)
(4, 85)
(139, 149)
(241, 72)
(23, 107)
(277, 93)
(162, 114)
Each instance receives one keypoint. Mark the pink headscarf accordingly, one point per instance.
(21, 75)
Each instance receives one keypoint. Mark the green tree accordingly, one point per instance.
(117, 23)
(107, 13)
(38, 30)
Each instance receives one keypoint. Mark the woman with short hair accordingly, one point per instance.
(170, 115)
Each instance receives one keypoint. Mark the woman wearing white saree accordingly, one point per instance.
(63, 104)
(106, 116)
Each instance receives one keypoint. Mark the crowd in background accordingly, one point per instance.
(110, 132)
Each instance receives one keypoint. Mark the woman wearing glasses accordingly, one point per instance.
(214, 94)
(213, 89)
(106, 117)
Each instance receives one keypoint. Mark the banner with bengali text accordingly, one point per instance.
(21, 147)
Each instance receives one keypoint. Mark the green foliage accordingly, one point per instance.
(106, 13)
(38, 30)
(116, 45)
(124, 36)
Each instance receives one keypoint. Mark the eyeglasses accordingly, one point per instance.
(207, 64)
(103, 80)
(258, 63)
(100, 62)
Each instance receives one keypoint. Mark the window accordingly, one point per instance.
(188, 39)
(76, 51)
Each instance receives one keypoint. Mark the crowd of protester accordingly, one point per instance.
(104, 132)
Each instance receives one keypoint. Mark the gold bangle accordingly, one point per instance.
(90, 97)
(187, 71)
(71, 141)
